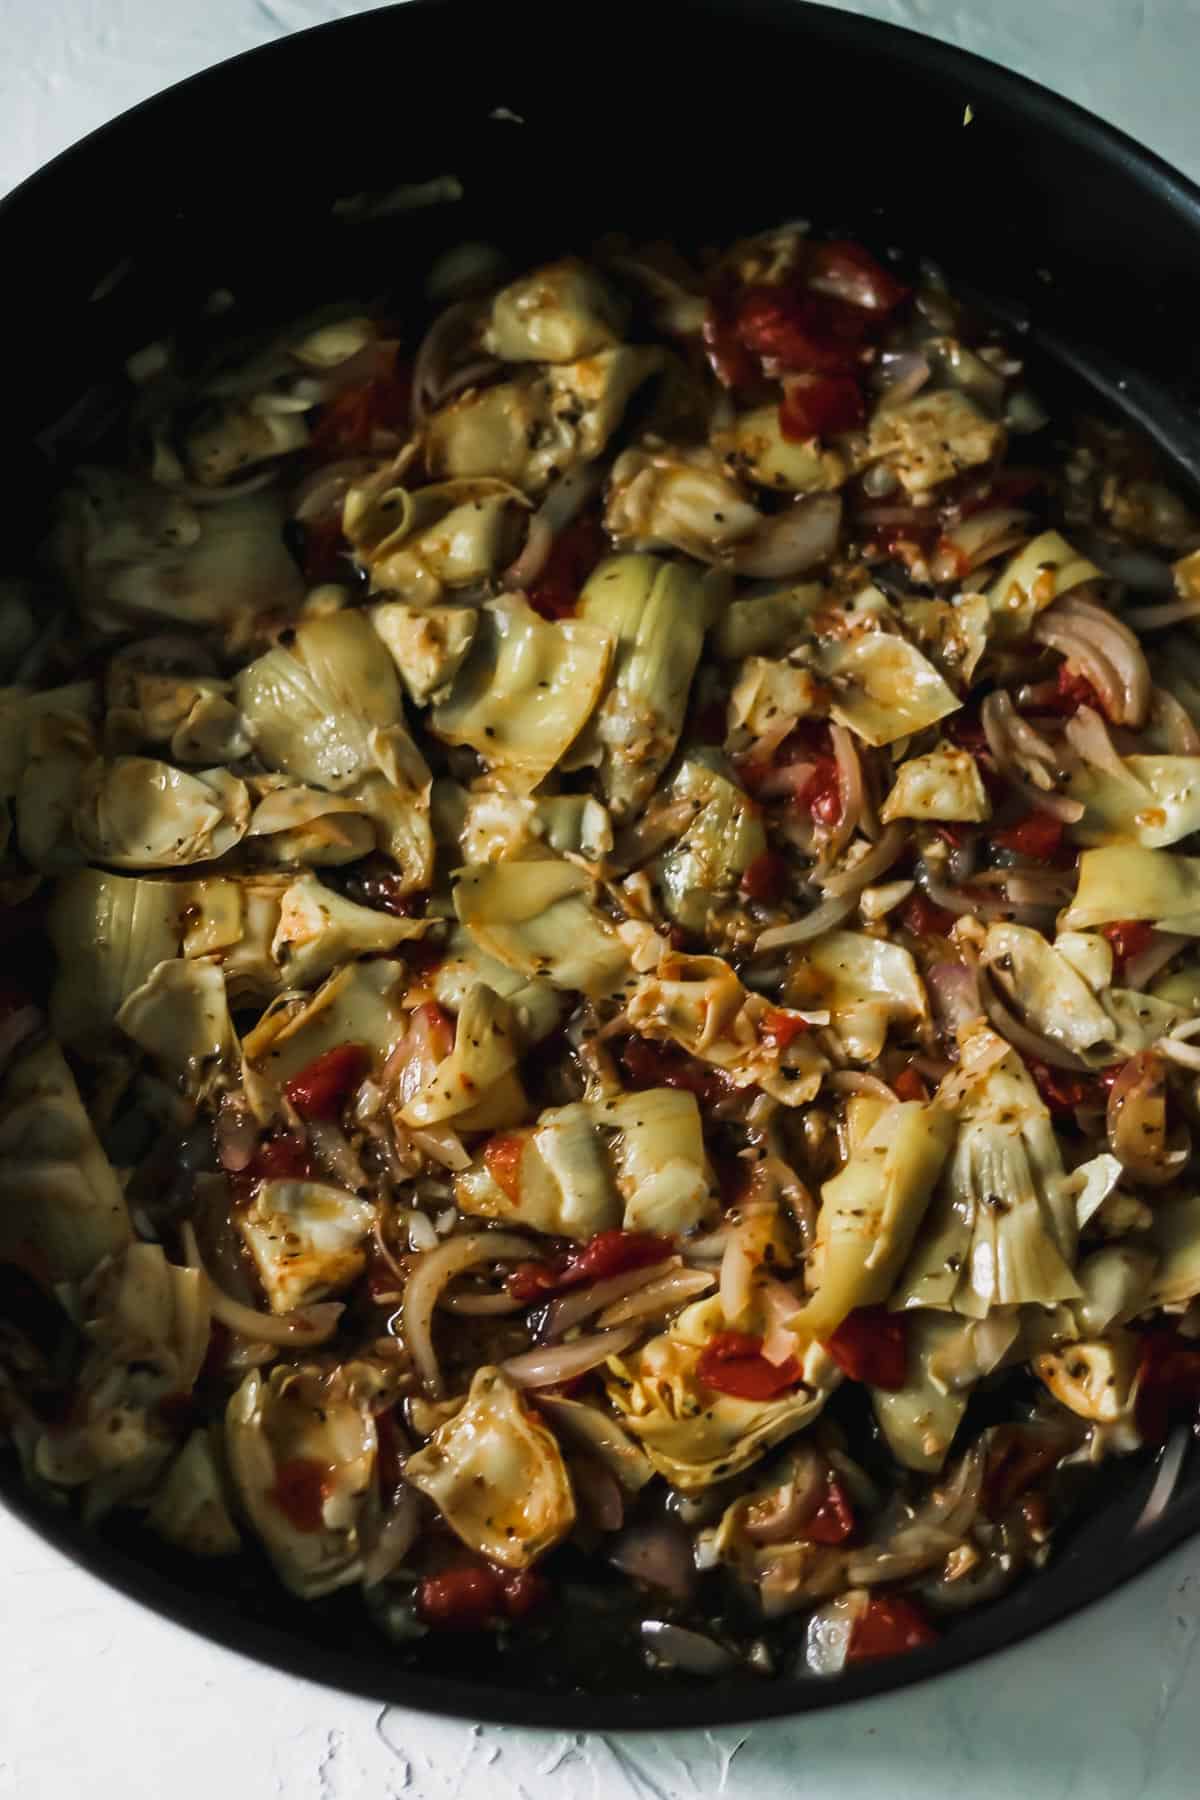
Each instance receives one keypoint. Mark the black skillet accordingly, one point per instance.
(688, 119)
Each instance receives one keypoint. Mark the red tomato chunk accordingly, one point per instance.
(321, 1089)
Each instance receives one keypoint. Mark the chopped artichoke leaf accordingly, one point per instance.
(1046, 990)
(1002, 1230)
(180, 1017)
(1127, 881)
(20, 709)
(769, 697)
(135, 813)
(61, 1206)
(300, 1417)
(319, 928)
(1175, 1235)
(659, 1159)
(932, 438)
(306, 1239)
(1093, 1379)
(919, 1420)
(656, 613)
(496, 1475)
(694, 1435)
(564, 1183)
(1157, 805)
(428, 646)
(536, 1005)
(131, 551)
(555, 314)
(699, 1003)
(486, 1050)
(871, 1212)
(882, 688)
(943, 784)
(866, 984)
(189, 1509)
(359, 1004)
(535, 918)
(1041, 573)
(418, 544)
(724, 836)
(766, 623)
(754, 446)
(525, 691)
(109, 932)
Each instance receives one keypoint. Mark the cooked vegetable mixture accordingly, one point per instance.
(620, 1025)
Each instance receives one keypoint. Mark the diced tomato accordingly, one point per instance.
(851, 273)
(729, 359)
(608, 1253)
(285, 1157)
(322, 1087)
(919, 915)
(733, 1363)
(766, 879)
(817, 406)
(648, 1064)
(871, 1345)
(463, 1599)
(823, 796)
(1038, 835)
(612, 1253)
(301, 1488)
(909, 1085)
(888, 1625)
(1128, 937)
(346, 425)
(1071, 691)
(524, 1592)
(834, 1521)
(472, 1596)
(577, 549)
(803, 333)
(1168, 1383)
(1061, 1091)
(502, 1159)
(779, 1028)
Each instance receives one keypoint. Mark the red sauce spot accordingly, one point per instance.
(733, 1363)
(321, 1088)
(301, 1488)
(871, 1345)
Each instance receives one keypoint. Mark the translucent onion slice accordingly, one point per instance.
(305, 1327)
(435, 1270)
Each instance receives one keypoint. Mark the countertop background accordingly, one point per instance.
(101, 1699)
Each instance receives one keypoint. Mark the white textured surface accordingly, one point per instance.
(105, 1701)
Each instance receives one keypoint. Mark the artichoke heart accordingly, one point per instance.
(301, 1447)
(131, 552)
(1037, 576)
(1002, 1231)
(931, 439)
(723, 836)
(943, 784)
(699, 1003)
(109, 932)
(61, 1206)
(692, 1434)
(535, 918)
(1128, 882)
(871, 1212)
(525, 691)
(135, 813)
(657, 613)
(1154, 805)
(477, 1085)
(418, 544)
(555, 314)
(496, 1475)
(882, 688)
(190, 1509)
(359, 1004)
(180, 1017)
(319, 928)
(427, 644)
(306, 1239)
(866, 984)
